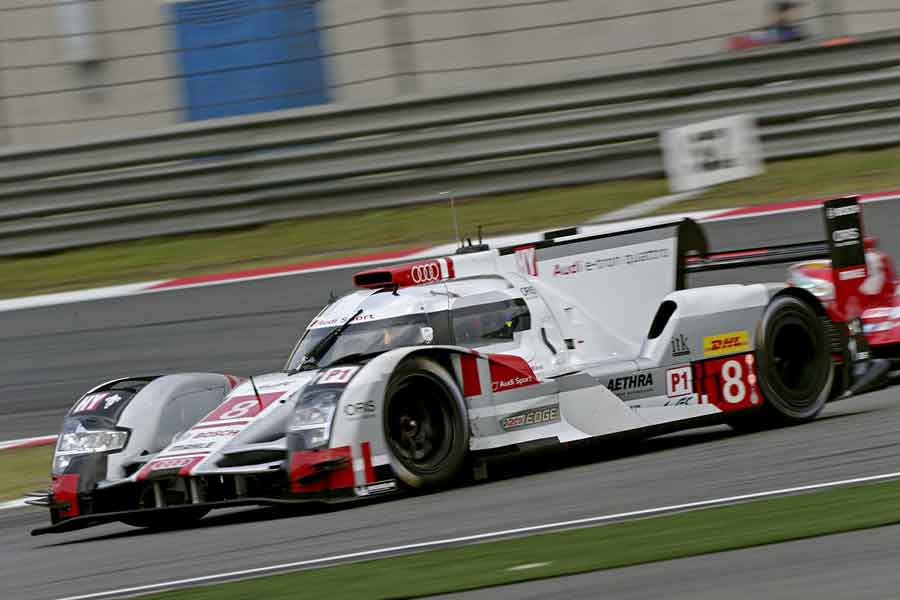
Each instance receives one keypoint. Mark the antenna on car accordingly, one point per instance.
(453, 212)
(256, 391)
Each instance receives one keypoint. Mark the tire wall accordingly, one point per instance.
(359, 416)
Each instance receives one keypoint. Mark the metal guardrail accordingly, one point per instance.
(808, 100)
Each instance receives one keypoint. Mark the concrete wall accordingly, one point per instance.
(374, 50)
(464, 44)
(48, 98)
(870, 15)
(359, 63)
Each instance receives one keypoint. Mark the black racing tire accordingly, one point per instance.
(793, 355)
(425, 425)
(167, 521)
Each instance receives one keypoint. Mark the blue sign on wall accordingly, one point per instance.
(246, 56)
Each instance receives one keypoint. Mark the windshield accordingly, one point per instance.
(363, 338)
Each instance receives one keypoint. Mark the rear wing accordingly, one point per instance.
(844, 246)
(751, 257)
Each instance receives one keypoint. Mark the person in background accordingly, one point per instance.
(783, 26)
(784, 23)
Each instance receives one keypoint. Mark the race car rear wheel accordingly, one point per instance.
(425, 425)
(794, 358)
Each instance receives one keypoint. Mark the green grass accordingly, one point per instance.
(618, 545)
(24, 470)
(295, 241)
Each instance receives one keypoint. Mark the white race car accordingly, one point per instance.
(406, 382)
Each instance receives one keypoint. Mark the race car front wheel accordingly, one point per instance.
(425, 425)
(794, 358)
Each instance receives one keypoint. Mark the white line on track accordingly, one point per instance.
(528, 566)
(478, 537)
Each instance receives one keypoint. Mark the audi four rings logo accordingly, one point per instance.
(425, 273)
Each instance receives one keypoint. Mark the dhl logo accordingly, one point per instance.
(726, 343)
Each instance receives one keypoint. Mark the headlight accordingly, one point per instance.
(311, 422)
(82, 442)
(86, 442)
(820, 288)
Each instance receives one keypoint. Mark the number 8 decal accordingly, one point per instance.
(238, 410)
(734, 391)
(729, 383)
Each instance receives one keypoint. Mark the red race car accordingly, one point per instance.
(852, 278)
(879, 303)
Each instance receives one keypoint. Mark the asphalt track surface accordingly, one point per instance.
(53, 354)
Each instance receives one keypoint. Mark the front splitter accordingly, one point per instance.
(89, 520)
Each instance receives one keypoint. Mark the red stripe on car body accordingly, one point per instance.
(367, 461)
(699, 382)
(468, 363)
(303, 465)
(510, 372)
(65, 489)
(451, 272)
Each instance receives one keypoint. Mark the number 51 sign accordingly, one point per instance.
(706, 154)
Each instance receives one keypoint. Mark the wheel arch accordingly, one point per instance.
(371, 384)
(444, 358)
(836, 332)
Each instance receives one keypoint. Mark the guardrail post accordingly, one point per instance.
(399, 35)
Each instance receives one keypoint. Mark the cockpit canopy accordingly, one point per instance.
(367, 338)
(388, 319)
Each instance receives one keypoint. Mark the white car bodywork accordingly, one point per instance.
(584, 368)
(546, 343)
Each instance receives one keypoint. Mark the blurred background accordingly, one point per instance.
(76, 69)
(128, 120)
